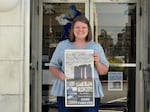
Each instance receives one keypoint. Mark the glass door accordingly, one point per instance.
(115, 29)
(57, 16)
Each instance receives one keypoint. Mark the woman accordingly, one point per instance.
(80, 38)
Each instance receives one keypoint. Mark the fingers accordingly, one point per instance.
(96, 57)
(62, 76)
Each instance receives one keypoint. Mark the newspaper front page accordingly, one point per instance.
(79, 85)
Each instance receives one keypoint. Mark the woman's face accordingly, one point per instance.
(80, 30)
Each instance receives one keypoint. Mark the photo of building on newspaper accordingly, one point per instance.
(79, 85)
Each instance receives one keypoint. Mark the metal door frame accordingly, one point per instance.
(40, 39)
(139, 107)
(89, 10)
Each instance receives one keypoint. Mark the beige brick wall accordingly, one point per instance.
(12, 50)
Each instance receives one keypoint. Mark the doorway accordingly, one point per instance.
(55, 29)
(114, 27)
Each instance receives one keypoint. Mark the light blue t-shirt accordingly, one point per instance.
(57, 60)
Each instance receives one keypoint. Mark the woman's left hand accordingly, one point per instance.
(101, 68)
(96, 58)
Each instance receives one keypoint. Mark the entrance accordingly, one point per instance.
(114, 27)
(55, 28)
(115, 30)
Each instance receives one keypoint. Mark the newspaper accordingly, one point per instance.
(79, 85)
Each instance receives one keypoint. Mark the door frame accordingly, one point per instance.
(38, 104)
(35, 69)
(89, 10)
(139, 96)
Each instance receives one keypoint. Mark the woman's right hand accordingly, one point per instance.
(62, 76)
(57, 73)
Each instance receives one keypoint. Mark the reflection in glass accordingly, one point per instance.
(57, 18)
(115, 29)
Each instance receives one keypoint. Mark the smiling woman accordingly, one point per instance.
(80, 38)
(6, 5)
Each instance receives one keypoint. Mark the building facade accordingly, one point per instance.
(31, 29)
(14, 56)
